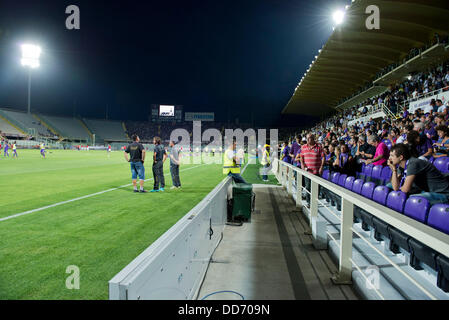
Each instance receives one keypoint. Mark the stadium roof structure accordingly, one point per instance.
(354, 56)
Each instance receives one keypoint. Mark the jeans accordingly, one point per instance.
(265, 169)
(137, 169)
(158, 174)
(433, 197)
(237, 177)
(174, 170)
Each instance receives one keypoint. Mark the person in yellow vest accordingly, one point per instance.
(265, 162)
(231, 163)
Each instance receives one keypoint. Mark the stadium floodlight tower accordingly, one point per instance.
(30, 59)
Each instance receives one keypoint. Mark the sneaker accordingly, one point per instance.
(161, 189)
(178, 187)
(135, 190)
(173, 187)
(155, 190)
(143, 191)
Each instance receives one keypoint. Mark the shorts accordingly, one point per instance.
(137, 169)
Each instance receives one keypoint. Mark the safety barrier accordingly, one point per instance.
(433, 238)
(174, 265)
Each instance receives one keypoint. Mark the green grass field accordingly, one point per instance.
(99, 234)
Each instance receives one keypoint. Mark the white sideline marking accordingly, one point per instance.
(81, 198)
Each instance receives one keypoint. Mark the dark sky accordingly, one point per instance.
(233, 58)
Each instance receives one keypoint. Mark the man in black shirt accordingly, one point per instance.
(364, 152)
(137, 153)
(158, 165)
(417, 177)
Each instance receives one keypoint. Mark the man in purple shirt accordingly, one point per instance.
(295, 149)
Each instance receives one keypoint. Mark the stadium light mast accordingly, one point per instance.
(30, 59)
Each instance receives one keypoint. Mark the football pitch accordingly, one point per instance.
(79, 210)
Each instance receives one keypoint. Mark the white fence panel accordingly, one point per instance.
(174, 265)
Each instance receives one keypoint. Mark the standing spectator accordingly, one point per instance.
(285, 153)
(159, 158)
(137, 153)
(295, 149)
(312, 160)
(175, 160)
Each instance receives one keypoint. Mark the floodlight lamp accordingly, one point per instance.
(30, 55)
(339, 17)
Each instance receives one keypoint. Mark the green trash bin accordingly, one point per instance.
(242, 201)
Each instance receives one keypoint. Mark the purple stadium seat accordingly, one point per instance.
(334, 177)
(380, 194)
(396, 200)
(368, 170)
(349, 182)
(326, 174)
(442, 164)
(387, 143)
(386, 174)
(342, 180)
(417, 208)
(439, 217)
(432, 159)
(357, 186)
(368, 189)
(377, 171)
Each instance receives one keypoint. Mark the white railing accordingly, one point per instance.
(431, 237)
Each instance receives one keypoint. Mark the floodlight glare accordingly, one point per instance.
(30, 55)
(339, 17)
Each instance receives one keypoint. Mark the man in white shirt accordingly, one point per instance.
(441, 106)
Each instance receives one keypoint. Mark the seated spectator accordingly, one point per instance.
(382, 152)
(430, 132)
(421, 146)
(329, 157)
(403, 137)
(393, 135)
(364, 151)
(417, 177)
(441, 148)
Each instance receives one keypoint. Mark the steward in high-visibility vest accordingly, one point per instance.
(265, 162)
(265, 156)
(231, 165)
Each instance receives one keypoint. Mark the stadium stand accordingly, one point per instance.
(8, 130)
(106, 130)
(25, 122)
(69, 128)
(402, 102)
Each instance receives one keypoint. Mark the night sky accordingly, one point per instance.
(234, 58)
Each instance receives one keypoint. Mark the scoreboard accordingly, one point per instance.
(166, 113)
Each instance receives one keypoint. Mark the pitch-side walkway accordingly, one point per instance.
(272, 257)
